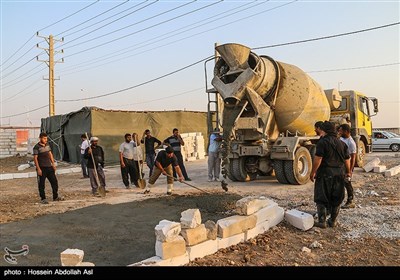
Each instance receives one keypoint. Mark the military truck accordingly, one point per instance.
(267, 111)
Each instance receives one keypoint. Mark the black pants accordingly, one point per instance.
(349, 189)
(129, 169)
(329, 187)
(181, 165)
(50, 174)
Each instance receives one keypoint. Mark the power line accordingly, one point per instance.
(96, 16)
(30, 38)
(130, 34)
(19, 114)
(130, 25)
(355, 68)
(327, 37)
(17, 52)
(27, 93)
(7, 99)
(6, 85)
(129, 49)
(138, 85)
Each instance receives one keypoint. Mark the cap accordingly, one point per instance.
(94, 139)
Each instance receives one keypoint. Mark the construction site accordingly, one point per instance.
(273, 164)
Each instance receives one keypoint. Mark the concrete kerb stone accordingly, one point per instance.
(392, 171)
(167, 231)
(190, 218)
(266, 212)
(202, 249)
(300, 220)
(229, 241)
(157, 261)
(370, 165)
(251, 204)
(235, 224)
(258, 229)
(71, 257)
(6, 176)
(170, 249)
(379, 169)
(20, 175)
(194, 236)
(277, 218)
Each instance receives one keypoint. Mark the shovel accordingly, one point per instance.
(101, 189)
(183, 182)
(141, 182)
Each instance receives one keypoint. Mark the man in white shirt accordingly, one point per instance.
(84, 146)
(345, 136)
(126, 157)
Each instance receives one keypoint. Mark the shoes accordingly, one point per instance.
(332, 223)
(146, 191)
(320, 224)
(216, 180)
(107, 191)
(58, 199)
(349, 204)
(128, 187)
(44, 201)
(188, 179)
(169, 193)
(96, 194)
(209, 180)
(84, 177)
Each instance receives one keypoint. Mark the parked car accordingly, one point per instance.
(384, 140)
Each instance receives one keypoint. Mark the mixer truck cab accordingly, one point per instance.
(267, 110)
(356, 109)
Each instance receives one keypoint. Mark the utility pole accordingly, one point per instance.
(50, 63)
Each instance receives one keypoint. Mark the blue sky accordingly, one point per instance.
(158, 42)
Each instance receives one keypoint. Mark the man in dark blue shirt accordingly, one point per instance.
(149, 142)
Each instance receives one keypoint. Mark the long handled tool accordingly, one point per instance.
(141, 182)
(183, 182)
(101, 189)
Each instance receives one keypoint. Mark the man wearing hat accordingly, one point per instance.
(331, 164)
(214, 161)
(165, 161)
(98, 156)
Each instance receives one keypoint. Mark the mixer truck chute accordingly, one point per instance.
(267, 110)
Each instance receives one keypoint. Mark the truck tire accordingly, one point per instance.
(312, 149)
(298, 171)
(395, 147)
(360, 153)
(229, 169)
(239, 170)
(280, 171)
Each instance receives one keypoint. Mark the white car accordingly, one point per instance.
(383, 140)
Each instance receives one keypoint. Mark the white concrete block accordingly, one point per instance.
(76, 169)
(203, 249)
(379, 169)
(71, 257)
(235, 224)
(370, 165)
(63, 171)
(229, 241)
(392, 171)
(277, 218)
(157, 261)
(190, 218)
(21, 175)
(86, 264)
(300, 220)
(212, 230)
(194, 236)
(251, 204)
(167, 231)
(258, 229)
(171, 249)
(397, 155)
(32, 174)
(6, 176)
(266, 212)
(23, 167)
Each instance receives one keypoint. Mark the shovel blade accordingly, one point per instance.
(141, 183)
(102, 191)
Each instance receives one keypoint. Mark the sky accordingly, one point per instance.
(110, 46)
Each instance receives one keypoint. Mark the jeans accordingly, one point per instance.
(214, 165)
(150, 158)
(84, 166)
(181, 165)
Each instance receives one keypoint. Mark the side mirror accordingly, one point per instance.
(375, 104)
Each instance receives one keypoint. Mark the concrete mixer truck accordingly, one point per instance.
(267, 111)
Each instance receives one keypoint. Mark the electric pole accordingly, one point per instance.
(50, 63)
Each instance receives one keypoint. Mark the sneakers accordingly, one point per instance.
(216, 180)
(44, 201)
(349, 204)
(209, 180)
(146, 191)
(58, 199)
(169, 192)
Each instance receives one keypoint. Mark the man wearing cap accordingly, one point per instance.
(214, 161)
(98, 155)
(165, 161)
(331, 164)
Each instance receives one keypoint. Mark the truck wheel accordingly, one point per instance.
(229, 168)
(395, 147)
(240, 172)
(312, 149)
(280, 171)
(360, 154)
(298, 171)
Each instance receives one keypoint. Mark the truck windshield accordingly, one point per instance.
(343, 105)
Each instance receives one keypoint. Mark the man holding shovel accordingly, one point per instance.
(95, 163)
(165, 161)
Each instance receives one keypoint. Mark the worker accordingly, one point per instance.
(214, 161)
(137, 155)
(83, 147)
(128, 168)
(345, 136)
(149, 149)
(166, 160)
(331, 164)
(45, 168)
(318, 127)
(95, 153)
(175, 141)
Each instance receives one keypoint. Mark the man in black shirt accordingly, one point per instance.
(331, 164)
(149, 142)
(45, 168)
(165, 161)
(175, 141)
(98, 155)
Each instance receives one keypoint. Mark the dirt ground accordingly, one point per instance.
(119, 229)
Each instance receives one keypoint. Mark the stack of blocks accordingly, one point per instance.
(194, 146)
(179, 243)
(8, 143)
